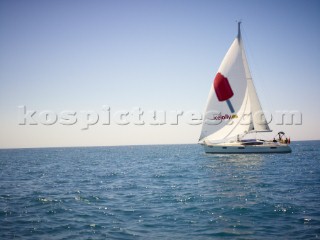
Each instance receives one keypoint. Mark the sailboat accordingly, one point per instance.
(233, 111)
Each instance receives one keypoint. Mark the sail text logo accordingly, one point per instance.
(225, 117)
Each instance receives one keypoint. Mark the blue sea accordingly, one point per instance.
(159, 192)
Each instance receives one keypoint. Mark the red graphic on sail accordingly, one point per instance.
(223, 90)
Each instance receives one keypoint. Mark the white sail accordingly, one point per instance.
(259, 121)
(233, 107)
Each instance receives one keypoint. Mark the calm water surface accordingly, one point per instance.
(159, 192)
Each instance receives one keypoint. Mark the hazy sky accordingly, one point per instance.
(83, 57)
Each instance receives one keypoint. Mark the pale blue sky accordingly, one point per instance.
(157, 55)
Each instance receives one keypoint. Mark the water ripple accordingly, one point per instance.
(160, 192)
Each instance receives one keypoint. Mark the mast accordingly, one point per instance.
(239, 30)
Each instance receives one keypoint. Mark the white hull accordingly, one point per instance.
(238, 148)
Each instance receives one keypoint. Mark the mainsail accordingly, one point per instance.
(233, 106)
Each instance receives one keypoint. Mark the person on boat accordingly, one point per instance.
(274, 140)
(286, 141)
